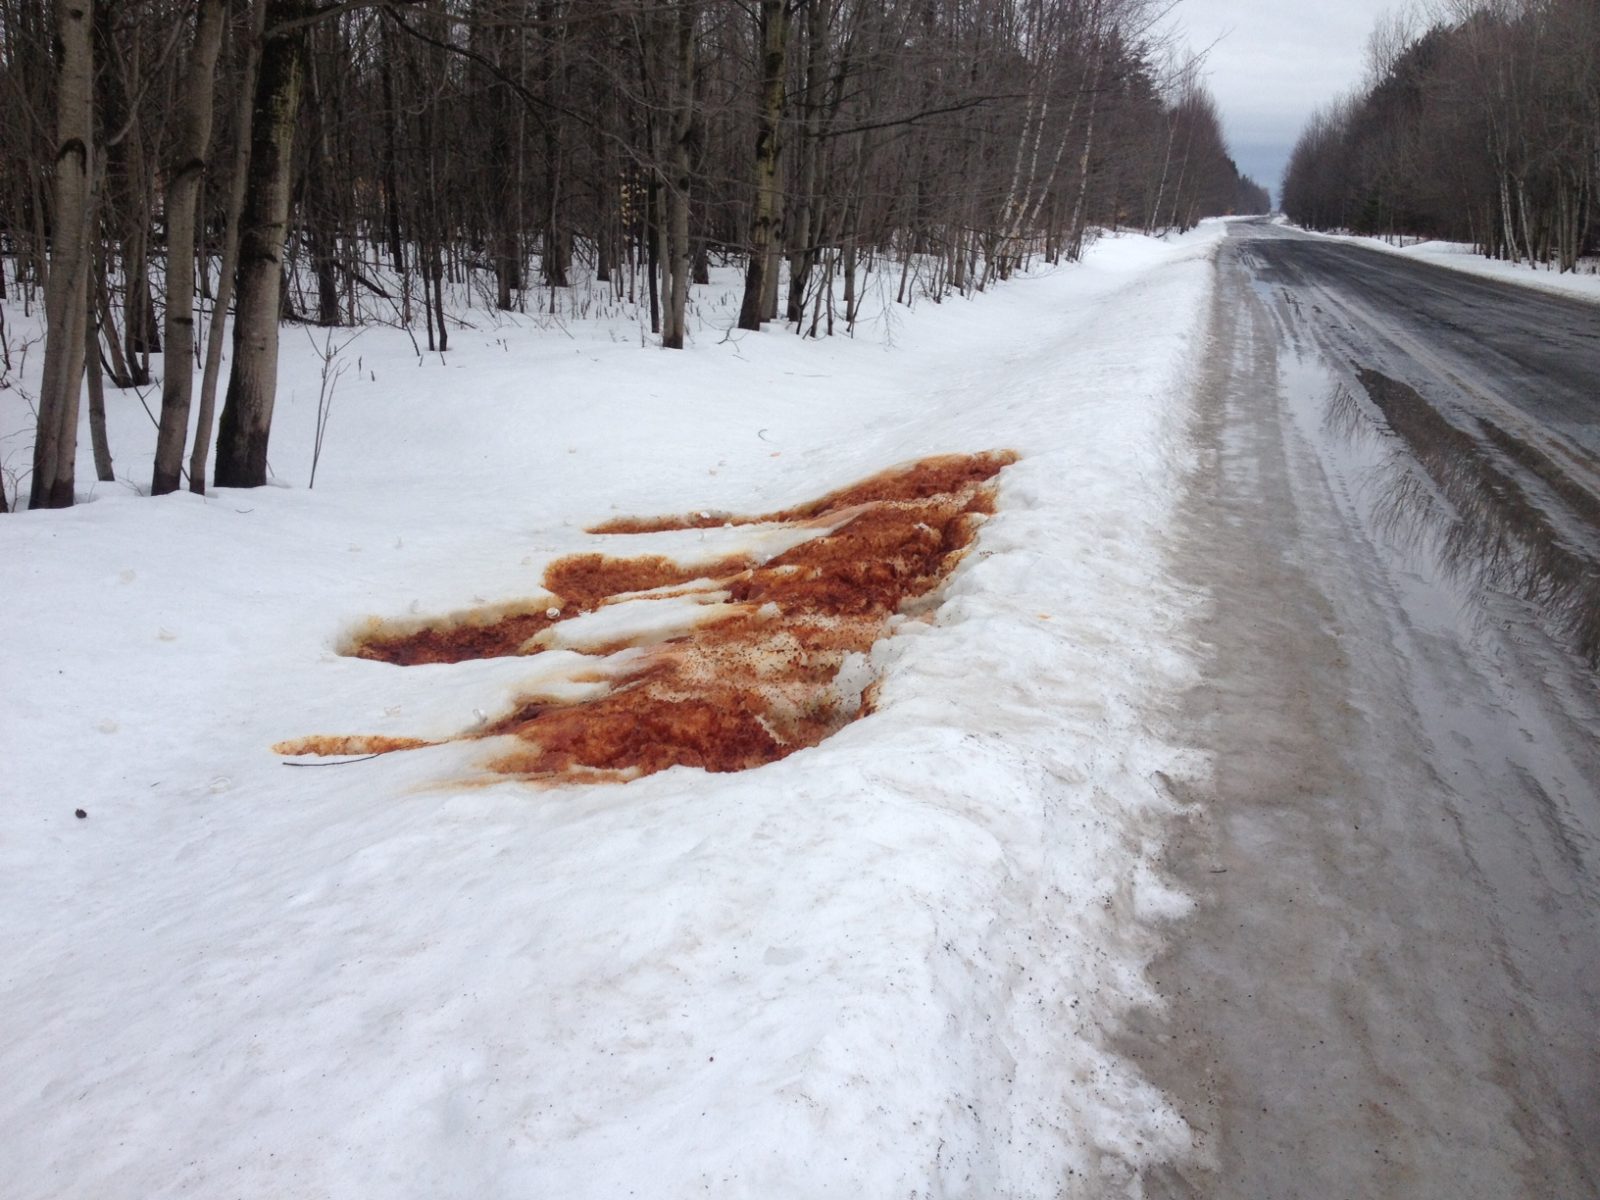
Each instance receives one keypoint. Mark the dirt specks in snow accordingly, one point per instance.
(778, 663)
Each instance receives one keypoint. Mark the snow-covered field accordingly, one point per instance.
(1582, 284)
(884, 966)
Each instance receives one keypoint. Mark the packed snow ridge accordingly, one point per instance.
(889, 962)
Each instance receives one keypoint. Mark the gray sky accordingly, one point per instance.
(1272, 63)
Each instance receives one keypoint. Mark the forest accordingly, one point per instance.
(184, 177)
(1481, 127)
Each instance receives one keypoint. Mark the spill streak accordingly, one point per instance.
(772, 660)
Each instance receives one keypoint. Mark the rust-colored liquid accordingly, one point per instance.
(756, 678)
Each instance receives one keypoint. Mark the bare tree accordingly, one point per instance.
(1483, 127)
(185, 176)
(66, 292)
(774, 41)
(238, 180)
(455, 150)
(252, 386)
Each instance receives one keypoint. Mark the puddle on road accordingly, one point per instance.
(1493, 513)
(1449, 493)
(724, 664)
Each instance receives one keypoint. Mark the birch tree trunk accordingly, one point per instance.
(1079, 205)
(184, 179)
(253, 383)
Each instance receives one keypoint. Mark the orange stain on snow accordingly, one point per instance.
(753, 682)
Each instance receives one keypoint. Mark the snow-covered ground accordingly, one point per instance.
(1582, 284)
(884, 966)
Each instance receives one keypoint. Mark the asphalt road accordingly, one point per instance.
(1537, 352)
(1390, 982)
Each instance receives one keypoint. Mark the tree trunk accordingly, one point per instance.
(679, 174)
(436, 265)
(1079, 205)
(66, 293)
(651, 233)
(763, 225)
(391, 157)
(318, 217)
(557, 248)
(184, 179)
(125, 202)
(230, 253)
(97, 400)
(802, 253)
(100, 299)
(253, 383)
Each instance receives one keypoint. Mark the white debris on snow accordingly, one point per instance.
(885, 966)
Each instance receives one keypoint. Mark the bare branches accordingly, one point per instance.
(1483, 127)
(385, 155)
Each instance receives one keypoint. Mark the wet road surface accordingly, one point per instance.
(1537, 352)
(1390, 984)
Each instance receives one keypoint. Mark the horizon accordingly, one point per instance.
(1269, 69)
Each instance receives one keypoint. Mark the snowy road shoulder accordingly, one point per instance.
(886, 965)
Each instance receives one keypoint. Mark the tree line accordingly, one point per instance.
(1482, 127)
(170, 162)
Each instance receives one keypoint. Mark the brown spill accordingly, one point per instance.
(490, 633)
(588, 580)
(939, 475)
(758, 679)
(357, 743)
(579, 583)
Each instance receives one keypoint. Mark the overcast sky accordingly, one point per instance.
(1272, 63)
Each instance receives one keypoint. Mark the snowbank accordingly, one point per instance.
(883, 966)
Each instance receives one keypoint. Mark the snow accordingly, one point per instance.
(1582, 284)
(642, 622)
(887, 965)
